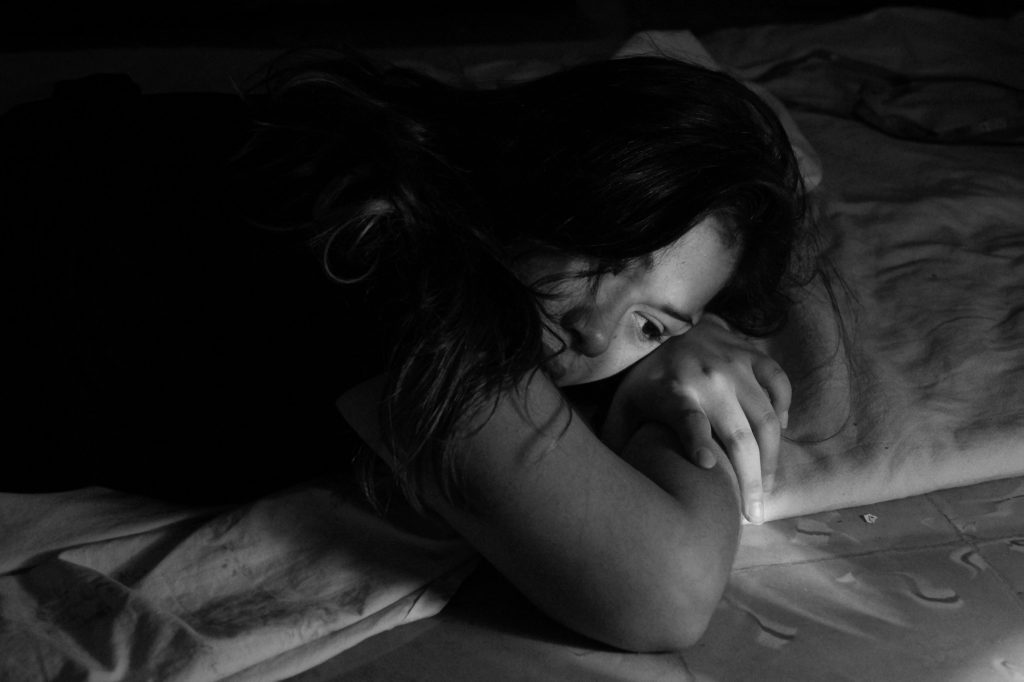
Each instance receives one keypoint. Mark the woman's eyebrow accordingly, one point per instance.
(677, 314)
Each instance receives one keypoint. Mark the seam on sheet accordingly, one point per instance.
(952, 524)
(871, 552)
(1008, 584)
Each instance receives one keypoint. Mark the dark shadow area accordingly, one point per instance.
(62, 24)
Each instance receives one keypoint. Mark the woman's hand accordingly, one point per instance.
(709, 382)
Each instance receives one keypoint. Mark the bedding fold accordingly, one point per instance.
(103, 585)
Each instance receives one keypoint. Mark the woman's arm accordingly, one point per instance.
(633, 551)
(710, 383)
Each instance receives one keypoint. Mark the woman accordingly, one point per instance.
(611, 221)
(607, 228)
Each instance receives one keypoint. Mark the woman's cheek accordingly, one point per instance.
(579, 369)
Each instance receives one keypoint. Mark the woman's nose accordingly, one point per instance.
(589, 333)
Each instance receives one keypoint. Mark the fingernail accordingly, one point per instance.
(785, 419)
(755, 512)
(705, 458)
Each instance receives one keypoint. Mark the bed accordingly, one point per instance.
(894, 547)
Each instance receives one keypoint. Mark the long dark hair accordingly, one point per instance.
(427, 195)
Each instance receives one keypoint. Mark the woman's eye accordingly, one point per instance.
(650, 329)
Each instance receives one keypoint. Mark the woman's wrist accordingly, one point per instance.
(655, 451)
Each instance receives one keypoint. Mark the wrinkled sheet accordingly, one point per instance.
(922, 589)
(926, 391)
(100, 585)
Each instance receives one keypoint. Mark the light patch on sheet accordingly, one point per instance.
(840, 602)
(970, 559)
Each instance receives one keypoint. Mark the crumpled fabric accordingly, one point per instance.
(98, 585)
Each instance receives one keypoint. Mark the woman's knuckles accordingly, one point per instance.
(767, 423)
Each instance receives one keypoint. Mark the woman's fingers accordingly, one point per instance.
(728, 419)
(766, 427)
(773, 379)
(739, 413)
(768, 421)
(694, 431)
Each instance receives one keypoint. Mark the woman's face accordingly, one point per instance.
(607, 328)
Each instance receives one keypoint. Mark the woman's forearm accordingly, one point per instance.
(654, 451)
(709, 498)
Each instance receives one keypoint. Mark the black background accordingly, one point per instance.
(67, 24)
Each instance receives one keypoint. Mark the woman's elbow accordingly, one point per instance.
(669, 612)
(672, 610)
(655, 639)
(670, 625)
